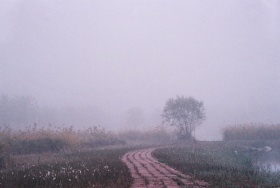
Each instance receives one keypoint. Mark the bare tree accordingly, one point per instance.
(186, 113)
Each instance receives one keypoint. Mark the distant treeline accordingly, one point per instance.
(19, 112)
(252, 132)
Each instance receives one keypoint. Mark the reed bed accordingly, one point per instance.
(251, 132)
(157, 134)
(38, 140)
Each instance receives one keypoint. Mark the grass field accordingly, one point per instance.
(222, 164)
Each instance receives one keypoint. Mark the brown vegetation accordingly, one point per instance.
(251, 132)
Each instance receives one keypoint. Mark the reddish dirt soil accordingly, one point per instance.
(149, 173)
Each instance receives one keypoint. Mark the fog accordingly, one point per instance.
(111, 59)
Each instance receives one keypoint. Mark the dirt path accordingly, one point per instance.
(149, 173)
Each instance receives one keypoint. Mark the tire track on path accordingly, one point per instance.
(147, 172)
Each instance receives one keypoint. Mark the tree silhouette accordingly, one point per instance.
(186, 113)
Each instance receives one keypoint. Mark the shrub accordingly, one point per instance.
(2, 159)
(37, 146)
(5, 159)
(98, 136)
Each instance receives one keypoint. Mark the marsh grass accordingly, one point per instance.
(39, 140)
(251, 132)
(35, 140)
(219, 163)
(64, 157)
(158, 134)
(93, 168)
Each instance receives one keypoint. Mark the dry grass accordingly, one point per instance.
(35, 140)
(251, 132)
(158, 134)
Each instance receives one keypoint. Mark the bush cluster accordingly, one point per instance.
(37, 146)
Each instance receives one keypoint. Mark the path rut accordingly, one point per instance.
(147, 172)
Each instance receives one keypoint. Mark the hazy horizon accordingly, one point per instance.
(114, 56)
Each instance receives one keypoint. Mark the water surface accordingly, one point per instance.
(269, 161)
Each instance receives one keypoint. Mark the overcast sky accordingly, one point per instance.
(117, 55)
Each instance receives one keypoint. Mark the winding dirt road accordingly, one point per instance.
(149, 173)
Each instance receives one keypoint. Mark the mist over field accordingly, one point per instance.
(108, 63)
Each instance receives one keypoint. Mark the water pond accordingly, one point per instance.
(269, 161)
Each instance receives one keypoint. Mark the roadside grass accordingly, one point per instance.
(222, 164)
(92, 168)
(251, 132)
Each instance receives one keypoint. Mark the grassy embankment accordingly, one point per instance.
(228, 163)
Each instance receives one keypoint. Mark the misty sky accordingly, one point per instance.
(117, 55)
